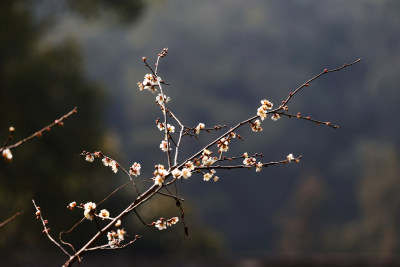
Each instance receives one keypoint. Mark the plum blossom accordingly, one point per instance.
(104, 214)
(7, 154)
(160, 99)
(89, 209)
(209, 175)
(161, 224)
(256, 126)
(259, 166)
(275, 117)
(186, 173)
(223, 144)
(199, 127)
(172, 221)
(164, 146)
(290, 157)
(135, 169)
(176, 173)
(250, 161)
(89, 157)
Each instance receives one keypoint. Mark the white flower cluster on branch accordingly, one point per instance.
(204, 163)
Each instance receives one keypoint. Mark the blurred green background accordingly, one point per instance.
(341, 203)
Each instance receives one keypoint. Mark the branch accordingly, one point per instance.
(11, 218)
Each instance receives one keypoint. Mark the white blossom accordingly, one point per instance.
(186, 173)
(290, 157)
(7, 154)
(176, 173)
(135, 169)
(89, 209)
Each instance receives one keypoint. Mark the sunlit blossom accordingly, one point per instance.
(89, 209)
(186, 173)
(89, 157)
(249, 161)
(256, 126)
(161, 224)
(164, 146)
(290, 157)
(259, 166)
(172, 221)
(275, 117)
(176, 173)
(199, 127)
(7, 154)
(104, 214)
(135, 169)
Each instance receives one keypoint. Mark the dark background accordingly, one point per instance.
(340, 203)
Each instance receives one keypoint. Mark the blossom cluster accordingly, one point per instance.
(149, 83)
(115, 238)
(106, 160)
(159, 174)
(206, 158)
(265, 106)
(162, 224)
(207, 176)
(135, 169)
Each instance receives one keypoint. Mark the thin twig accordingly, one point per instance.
(47, 230)
(11, 218)
(40, 132)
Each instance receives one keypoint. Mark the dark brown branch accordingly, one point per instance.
(12, 218)
(40, 132)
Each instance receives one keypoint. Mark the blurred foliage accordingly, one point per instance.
(37, 85)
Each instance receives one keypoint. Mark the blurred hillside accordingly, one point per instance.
(225, 56)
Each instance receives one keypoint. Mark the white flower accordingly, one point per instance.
(7, 154)
(245, 155)
(71, 205)
(172, 221)
(261, 111)
(290, 157)
(259, 166)
(249, 161)
(114, 166)
(89, 157)
(161, 224)
(160, 126)
(216, 178)
(164, 146)
(199, 127)
(160, 99)
(107, 161)
(186, 173)
(149, 83)
(189, 165)
(121, 233)
(176, 173)
(104, 214)
(170, 128)
(256, 126)
(118, 223)
(208, 175)
(158, 180)
(207, 152)
(208, 161)
(135, 169)
(275, 117)
(267, 103)
(89, 209)
(223, 145)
